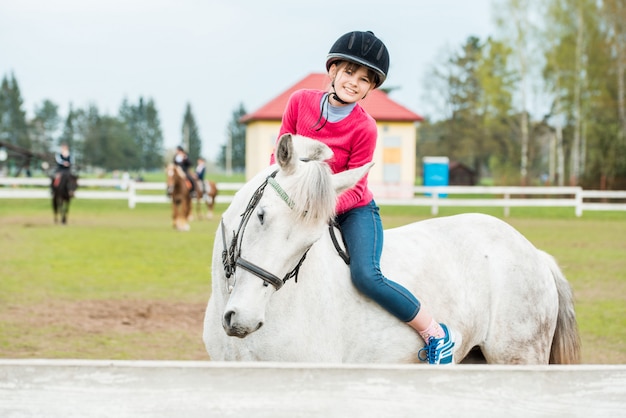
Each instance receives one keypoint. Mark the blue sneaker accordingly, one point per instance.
(438, 350)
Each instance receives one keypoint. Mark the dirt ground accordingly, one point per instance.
(163, 326)
(115, 315)
(131, 330)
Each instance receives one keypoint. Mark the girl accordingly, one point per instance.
(64, 162)
(357, 63)
(181, 159)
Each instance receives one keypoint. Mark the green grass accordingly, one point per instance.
(106, 251)
(55, 279)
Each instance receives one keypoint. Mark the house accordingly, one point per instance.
(393, 174)
(461, 175)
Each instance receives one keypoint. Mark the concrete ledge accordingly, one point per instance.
(76, 388)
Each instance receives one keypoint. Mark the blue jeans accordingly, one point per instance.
(363, 232)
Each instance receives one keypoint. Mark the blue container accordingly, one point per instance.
(436, 172)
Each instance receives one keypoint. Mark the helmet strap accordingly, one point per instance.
(336, 96)
(324, 102)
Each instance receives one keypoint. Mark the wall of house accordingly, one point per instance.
(393, 173)
(260, 140)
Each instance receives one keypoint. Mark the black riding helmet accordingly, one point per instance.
(362, 48)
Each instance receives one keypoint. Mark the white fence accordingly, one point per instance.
(31, 188)
(103, 388)
(433, 196)
(512, 196)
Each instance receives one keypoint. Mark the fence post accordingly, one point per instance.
(507, 208)
(434, 209)
(579, 201)
(131, 194)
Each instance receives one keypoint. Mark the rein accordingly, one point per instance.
(345, 256)
(231, 255)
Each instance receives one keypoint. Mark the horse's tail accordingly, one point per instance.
(566, 340)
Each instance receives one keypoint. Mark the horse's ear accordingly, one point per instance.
(347, 179)
(285, 154)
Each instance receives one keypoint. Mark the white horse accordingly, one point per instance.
(281, 292)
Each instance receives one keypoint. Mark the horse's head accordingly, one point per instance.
(175, 179)
(272, 223)
(68, 183)
(72, 184)
(174, 173)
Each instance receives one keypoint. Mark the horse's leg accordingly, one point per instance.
(518, 352)
(55, 208)
(211, 192)
(180, 214)
(64, 209)
(522, 340)
(186, 212)
(201, 202)
(199, 207)
(174, 213)
(67, 207)
(198, 199)
(210, 202)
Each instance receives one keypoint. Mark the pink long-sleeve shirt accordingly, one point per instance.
(352, 140)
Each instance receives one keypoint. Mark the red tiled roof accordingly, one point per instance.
(377, 103)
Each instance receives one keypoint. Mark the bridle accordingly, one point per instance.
(231, 255)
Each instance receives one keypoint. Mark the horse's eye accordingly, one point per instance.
(260, 213)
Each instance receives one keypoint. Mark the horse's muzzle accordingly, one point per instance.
(234, 329)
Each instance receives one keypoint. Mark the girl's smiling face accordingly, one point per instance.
(352, 82)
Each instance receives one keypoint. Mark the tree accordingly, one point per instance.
(233, 154)
(44, 126)
(581, 72)
(457, 81)
(613, 13)
(90, 146)
(142, 121)
(467, 91)
(517, 31)
(191, 137)
(108, 142)
(499, 144)
(553, 75)
(74, 132)
(13, 126)
(153, 153)
(477, 85)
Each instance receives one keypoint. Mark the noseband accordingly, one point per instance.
(231, 255)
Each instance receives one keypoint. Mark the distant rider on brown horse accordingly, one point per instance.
(181, 159)
(64, 162)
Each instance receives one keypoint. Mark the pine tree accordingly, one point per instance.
(144, 126)
(190, 136)
(73, 134)
(44, 127)
(13, 126)
(153, 151)
(233, 153)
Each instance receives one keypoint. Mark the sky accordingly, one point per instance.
(215, 54)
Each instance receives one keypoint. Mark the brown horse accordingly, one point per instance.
(63, 186)
(178, 188)
(207, 195)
